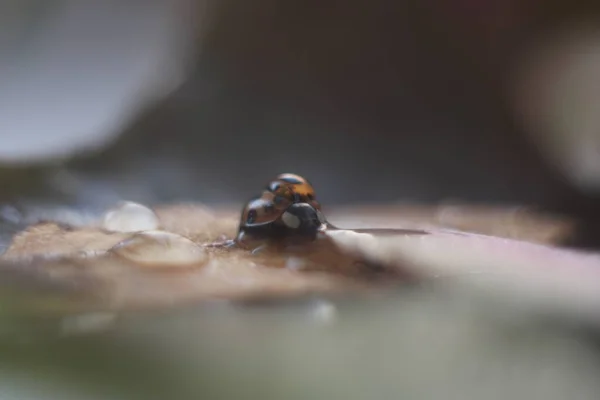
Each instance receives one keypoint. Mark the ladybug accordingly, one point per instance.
(287, 209)
(294, 188)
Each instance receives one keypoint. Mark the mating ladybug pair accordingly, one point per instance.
(287, 208)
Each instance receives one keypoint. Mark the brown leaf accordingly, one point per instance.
(341, 262)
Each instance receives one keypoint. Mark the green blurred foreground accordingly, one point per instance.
(422, 343)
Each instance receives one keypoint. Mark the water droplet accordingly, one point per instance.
(130, 217)
(160, 249)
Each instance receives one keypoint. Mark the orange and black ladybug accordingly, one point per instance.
(294, 188)
(287, 208)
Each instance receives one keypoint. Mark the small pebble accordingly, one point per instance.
(130, 217)
(160, 249)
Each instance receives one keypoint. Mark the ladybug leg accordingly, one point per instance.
(331, 227)
(259, 249)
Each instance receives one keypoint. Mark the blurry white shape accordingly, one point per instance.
(324, 312)
(558, 101)
(528, 276)
(88, 323)
(295, 263)
(130, 217)
(74, 73)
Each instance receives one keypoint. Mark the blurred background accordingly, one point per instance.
(422, 101)
(379, 102)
